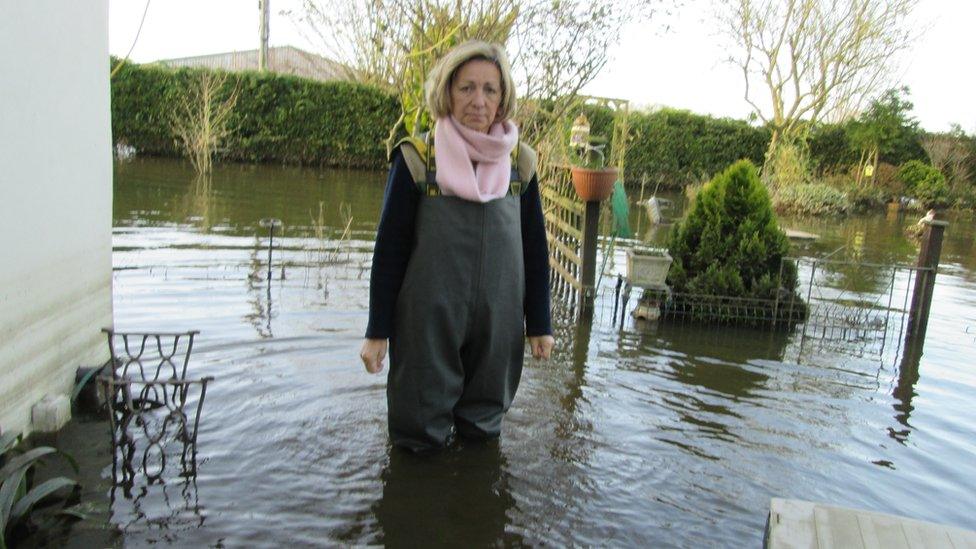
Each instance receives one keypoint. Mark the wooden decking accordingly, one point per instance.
(800, 235)
(803, 524)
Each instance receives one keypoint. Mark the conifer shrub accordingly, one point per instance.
(730, 245)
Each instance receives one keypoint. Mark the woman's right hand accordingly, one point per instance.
(373, 353)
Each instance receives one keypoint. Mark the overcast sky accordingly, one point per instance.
(682, 67)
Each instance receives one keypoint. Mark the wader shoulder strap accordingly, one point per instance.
(414, 151)
(525, 160)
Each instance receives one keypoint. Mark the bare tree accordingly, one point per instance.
(435, 29)
(949, 153)
(557, 47)
(200, 119)
(364, 36)
(804, 61)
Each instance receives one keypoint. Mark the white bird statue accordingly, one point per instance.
(916, 231)
(929, 216)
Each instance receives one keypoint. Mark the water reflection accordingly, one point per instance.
(259, 280)
(710, 374)
(198, 202)
(159, 510)
(459, 497)
(577, 336)
(711, 359)
(154, 416)
(236, 197)
(904, 390)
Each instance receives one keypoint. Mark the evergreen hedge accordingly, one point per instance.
(831, 150)
(299, 121)
(277, 118)
(675, 148)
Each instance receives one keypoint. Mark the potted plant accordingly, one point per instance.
(592, 180)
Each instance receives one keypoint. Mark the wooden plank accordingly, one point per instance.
(800, 235)
(564, 274)
(553, 195)
(791, 524)
(823, 526)
(844, 531)
(563, 248)
(934, 536)
(570, 279)
(889, 531)
(912, 536)
(962, 538)
(566, 228)
(869, 534)
(801, 524)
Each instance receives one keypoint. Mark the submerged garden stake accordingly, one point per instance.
(271, 223)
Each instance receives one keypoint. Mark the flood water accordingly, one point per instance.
(649, 434)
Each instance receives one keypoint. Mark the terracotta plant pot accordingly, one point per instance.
(594, 185)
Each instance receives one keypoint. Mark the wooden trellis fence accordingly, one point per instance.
(564, 231)
(572, 226)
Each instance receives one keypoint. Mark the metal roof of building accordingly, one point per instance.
(281, 60)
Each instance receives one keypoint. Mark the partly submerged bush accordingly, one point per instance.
(787, 164)
(812, 199)
(924, 182)
(730, 245)
(864, 196)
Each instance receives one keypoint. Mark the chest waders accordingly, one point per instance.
(458, 338)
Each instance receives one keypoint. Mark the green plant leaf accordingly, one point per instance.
(39, 492)
(27, 458)
(70, 459)
(8, 494)
(84, 381)
(74, 512)
(8, 441)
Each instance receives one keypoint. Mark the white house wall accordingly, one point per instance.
(55, 199)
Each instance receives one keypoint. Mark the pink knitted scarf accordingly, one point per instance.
(456, 150)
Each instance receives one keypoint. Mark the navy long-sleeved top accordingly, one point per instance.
(394, 243)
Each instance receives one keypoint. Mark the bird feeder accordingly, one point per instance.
(579, 134)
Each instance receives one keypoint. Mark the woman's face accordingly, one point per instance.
(476, 92)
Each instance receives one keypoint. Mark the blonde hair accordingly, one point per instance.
(437, 89)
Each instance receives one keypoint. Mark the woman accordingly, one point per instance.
(460, 270)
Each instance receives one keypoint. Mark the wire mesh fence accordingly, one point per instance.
(847, 306)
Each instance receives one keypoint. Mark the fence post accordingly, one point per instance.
(591, 226)
(928, 259)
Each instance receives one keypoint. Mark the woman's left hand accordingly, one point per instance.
(541, 346)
